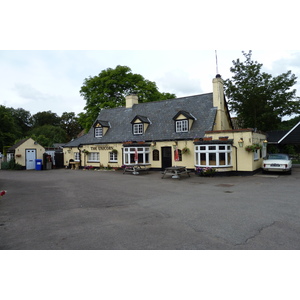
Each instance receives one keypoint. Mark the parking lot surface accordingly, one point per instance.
(76, 209)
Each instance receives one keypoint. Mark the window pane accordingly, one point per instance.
(222, 161)
(203, 159)
(212, 159)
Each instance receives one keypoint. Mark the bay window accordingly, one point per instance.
(213, 155)
(142, 155)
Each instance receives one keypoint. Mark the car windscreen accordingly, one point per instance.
(278, 156)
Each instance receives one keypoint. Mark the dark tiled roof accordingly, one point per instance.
(141, 118)
(161, 114)
(275, 136)
(15, 146)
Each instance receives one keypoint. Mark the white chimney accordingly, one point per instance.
(131, 100)
(218, 102)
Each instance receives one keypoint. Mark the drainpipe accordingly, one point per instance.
(236, 158)
(79, 155)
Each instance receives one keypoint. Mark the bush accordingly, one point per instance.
(11, 165)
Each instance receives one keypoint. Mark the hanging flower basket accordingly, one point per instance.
(185, 150)
(86, 152)
(253, 148)
(207, 138)
(114, 151)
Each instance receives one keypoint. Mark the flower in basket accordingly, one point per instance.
(185, 150)
(2, 193)
(253, 148)
(206, 171)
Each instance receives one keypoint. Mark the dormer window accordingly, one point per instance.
(140, 125)
(183, 121)
(98, 132)
(100, 128)
(138, 129)
(182, 126)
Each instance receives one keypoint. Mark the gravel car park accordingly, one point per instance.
(76, 209)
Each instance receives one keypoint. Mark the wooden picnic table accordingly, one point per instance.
(135, 169)
(74, 165)
(175, 172)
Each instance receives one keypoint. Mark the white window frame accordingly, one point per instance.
(76, 156)
(256, 154)
(113, 157)
(138, 128)
(143, 153)
(217, 151)
(182, 125)
(98, 132)
(94, 157)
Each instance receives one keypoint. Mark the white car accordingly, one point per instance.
(277, 163)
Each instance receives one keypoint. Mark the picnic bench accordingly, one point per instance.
(175, 172)
(136, 168)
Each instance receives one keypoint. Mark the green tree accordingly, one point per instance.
(260, 100)
(47, 135)
(70, 124)
(23, 119)
(9, 130)
(109, 89)
(45, 118)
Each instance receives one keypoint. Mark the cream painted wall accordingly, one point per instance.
(241, 159)
(21, 150)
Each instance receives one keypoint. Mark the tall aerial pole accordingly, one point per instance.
(217, 67)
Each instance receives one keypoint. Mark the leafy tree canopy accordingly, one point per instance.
(109, 89)
(259, 99)
(47, 135)
(45, 118)
(9, 130)
(70, 124)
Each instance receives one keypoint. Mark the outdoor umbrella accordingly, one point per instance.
(176, 154)
(136, 156)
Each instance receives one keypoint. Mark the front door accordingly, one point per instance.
(166, 157)
(30, 159)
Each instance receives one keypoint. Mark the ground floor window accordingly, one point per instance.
(139, 154)
(213, 155)
(257, 154)
(113, 157)
(94, 157)
(155, 155)
(76, 156)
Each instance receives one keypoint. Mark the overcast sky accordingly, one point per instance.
(50, 80)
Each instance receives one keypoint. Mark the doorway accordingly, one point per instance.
(30, 159)
(166, 157)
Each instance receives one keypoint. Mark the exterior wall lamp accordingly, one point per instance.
(265, 143)
(153, 144)
(241, 143)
